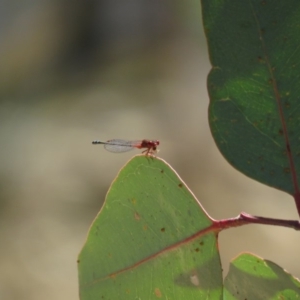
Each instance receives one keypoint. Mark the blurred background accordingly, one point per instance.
(102, 69)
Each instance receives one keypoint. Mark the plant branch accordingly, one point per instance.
(297, 201)
(245, 219)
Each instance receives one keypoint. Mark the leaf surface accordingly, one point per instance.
(254, 87)
(151, 240)
(253, 278)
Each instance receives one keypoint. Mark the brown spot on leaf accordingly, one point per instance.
(201, 243)
(157, 293)
(197, 249)
(145, 227)
(163, 229)
(180, 185)
(133, 201)
(260, 59)
(78, 261)
(137, 216)
(161, 171)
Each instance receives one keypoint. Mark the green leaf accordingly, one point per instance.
(254, 87)
(151, 240)
(253, 278)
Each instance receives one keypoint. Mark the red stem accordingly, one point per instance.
(245, 219)
(297, 201)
